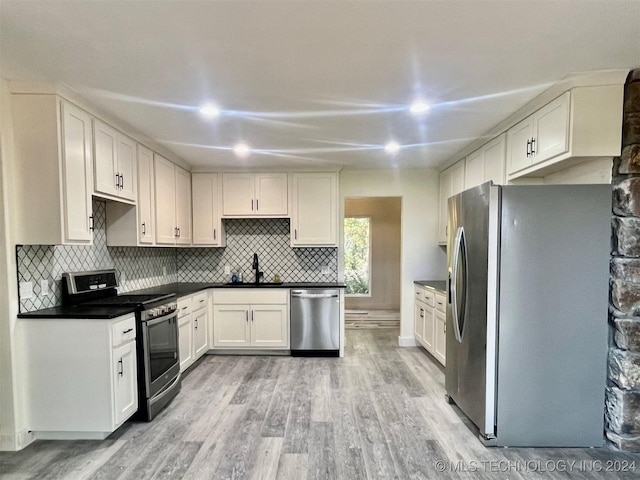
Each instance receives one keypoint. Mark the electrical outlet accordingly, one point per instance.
(26, 290)
(44, 287)
(227, 269)
(164, 271)
(325, 270)
(123, 278)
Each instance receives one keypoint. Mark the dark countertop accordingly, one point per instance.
(182, 289)
(79, 311)
(439, 285)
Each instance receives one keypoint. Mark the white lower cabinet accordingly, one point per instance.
(429, 322)
(440, 328)
(251, 318)
(82, 376)
(193, 320)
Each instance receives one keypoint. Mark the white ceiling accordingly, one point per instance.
(314, 83)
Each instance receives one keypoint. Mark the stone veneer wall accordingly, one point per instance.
(623, 391)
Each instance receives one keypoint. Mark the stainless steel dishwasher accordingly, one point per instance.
(315, 322)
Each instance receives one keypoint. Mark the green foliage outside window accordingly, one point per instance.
(356, 255)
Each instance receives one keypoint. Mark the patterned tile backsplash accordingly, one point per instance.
(143, 267)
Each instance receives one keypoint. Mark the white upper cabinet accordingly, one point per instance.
(314, 209)
(173, 203)
(115, 163)
(207, 223)
(581, 124)
(53, 171)
(131, 225)
(146, 197)
(254, 195)
(486, 164)
(165, 201)
(451, 183)
(183, 206)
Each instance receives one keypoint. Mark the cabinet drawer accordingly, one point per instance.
(199, 300)
(429, 297)
(124, 331)
(184, 306)
(441, 304)
(251, 296)
(419, 294)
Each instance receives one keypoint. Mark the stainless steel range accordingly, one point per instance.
(156, 335)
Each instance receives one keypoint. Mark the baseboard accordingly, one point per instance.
(12, 442)
(407, 342)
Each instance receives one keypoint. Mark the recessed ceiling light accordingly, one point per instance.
(392, 147)
(242, 150)
(419, 106)
(209, 110)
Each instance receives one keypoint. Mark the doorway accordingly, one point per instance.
(372, 256)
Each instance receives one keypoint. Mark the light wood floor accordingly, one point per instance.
(365, 319)
(378, 413)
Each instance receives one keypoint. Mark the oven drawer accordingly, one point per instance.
(124, 331)
(199, 300)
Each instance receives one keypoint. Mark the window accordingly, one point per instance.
(357, 248)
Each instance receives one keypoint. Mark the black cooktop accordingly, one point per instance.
(130, 300)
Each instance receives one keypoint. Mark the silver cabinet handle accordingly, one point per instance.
(295, 233)
(91, 226)
(252, 316)
(257, 207)
(252, 204)
(144, 228)
(127, 331)
(120, 367)
(214, 234)
(246, 313)
(196, 323)
(533, 147)
(117, 180)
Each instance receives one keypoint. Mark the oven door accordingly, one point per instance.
(160, 346)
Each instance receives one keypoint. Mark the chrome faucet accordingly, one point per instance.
(259, 274)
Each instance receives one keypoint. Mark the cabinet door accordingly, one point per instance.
(238, 194)
(551, 128)
(440, 337)
(206, 213)
(494, 160)
(125, 382)
(457, 178)
(429, 328)
(165, 201)
(474, 169)
(77, 162)
(105, 141)
(231, 326)
(418, 323)
(183, 206)
(185, 342)
(314, 213)
(200, 346)
(271, 194)
(518, 153)
(269, 326)
(445, 191)
(146, 198)
(127, 167)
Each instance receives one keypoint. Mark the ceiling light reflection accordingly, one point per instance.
(241, 150)
(392, 148)
(209, 110)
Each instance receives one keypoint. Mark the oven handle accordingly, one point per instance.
(155, 321)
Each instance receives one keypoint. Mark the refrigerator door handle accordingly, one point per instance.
(459, 246)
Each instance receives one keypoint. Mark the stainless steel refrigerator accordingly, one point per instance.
(528, 290)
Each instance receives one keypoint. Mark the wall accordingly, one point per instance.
(146, 267)
(385, 233)
(13, 432)
(623, 391)
(421, 258)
